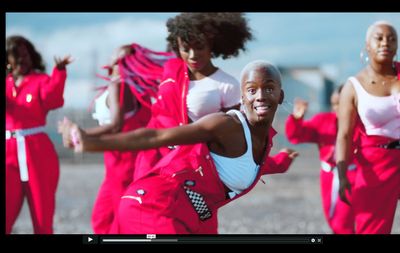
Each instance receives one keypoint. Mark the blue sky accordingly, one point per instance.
(330, 40)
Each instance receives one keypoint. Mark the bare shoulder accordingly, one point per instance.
(218, 118)
(219, 121)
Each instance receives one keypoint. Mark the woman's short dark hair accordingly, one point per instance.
(12, 44)
(226, 33)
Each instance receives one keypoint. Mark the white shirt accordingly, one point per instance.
(210, 94)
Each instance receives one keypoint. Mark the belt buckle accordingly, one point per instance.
(10, 134)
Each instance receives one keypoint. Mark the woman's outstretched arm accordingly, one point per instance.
(206, 129)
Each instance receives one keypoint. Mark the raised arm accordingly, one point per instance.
(116, 113)
(346, 119)
(52, 90)
(298, 130)
(206, 129)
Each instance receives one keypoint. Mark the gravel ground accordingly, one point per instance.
(287, 204)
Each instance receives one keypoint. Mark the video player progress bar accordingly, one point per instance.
(256, 239)
(119, 240)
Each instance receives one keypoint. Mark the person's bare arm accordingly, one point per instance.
(207, 129)
(116, 114)
(346, 119)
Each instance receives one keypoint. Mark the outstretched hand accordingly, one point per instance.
(72, 135)
(291, 153)
(299, 108)
(62, 62)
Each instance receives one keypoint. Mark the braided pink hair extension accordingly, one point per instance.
(142, 71)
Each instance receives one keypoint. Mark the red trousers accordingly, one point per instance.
(159, 205)
(338, 214)
(40, 189)
(119, 174)
(377, 187)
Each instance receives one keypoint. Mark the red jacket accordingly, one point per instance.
(27, 105)
(169, 110)
(320, 129)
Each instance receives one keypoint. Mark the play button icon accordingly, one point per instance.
(90, 239)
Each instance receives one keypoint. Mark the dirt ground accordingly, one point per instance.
(286, 204)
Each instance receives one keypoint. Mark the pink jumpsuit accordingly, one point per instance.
(182, 193)
(322, 130)
(32, 166)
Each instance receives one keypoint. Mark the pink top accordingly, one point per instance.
(380, 115)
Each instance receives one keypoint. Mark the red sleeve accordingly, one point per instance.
(300, 131)
(52, 89)
(279, 163)
(166, 110)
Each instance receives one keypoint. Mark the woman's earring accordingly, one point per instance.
(8, 66)
(364, 56)
(394, 60)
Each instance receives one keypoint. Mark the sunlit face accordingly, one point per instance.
(382, 43)
(335, 102)
(21, 62)
(196, 55)
(261, 93)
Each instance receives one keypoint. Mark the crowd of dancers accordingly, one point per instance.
(182, 138)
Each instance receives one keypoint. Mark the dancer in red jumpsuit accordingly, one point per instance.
(124, 105)
(373, 97)
(322, 129)
(193, 86)
(187, 186)
(32, 166)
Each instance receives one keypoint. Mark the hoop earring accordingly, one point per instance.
(395, 60)
(364, 57)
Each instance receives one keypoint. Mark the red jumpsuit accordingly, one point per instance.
(119, 173)
(182, 193)
(170, 110)
(322, 130)
(32, 166)
(140, 73)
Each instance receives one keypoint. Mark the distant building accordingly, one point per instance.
(309, 83)
(312, 84)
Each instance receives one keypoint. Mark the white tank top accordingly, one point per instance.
(102, 112)
(240, 172)
(380, 115)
